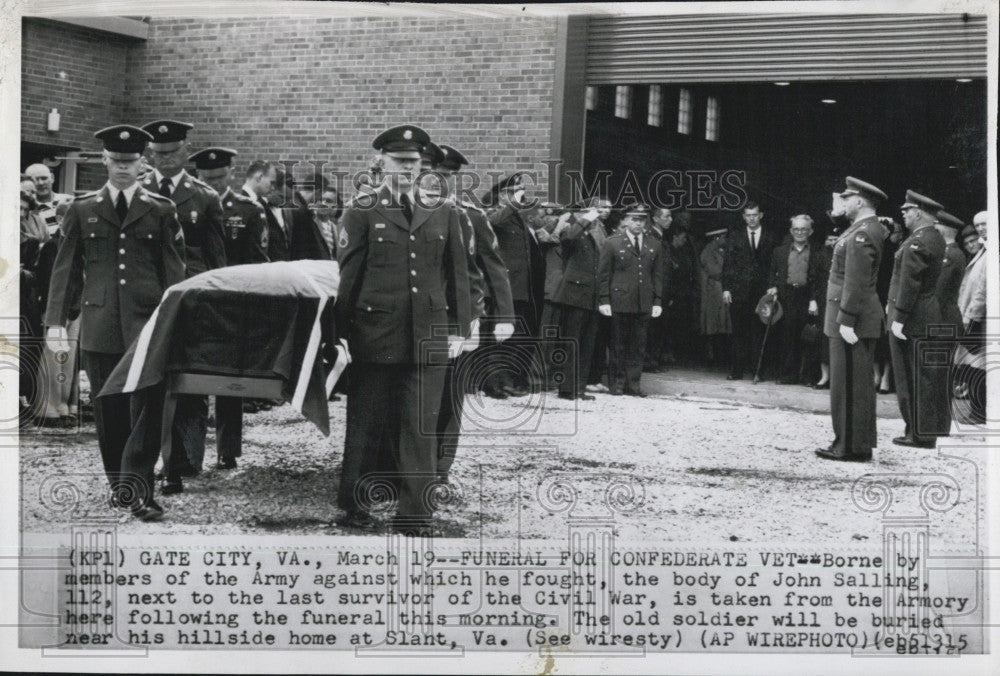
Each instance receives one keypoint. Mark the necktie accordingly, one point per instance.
(404, 200)
(165, 186)
(753, 240)
(121, 207)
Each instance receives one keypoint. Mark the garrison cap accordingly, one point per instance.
(452, 158)
(432, 154)
(856, 186)
(949, 221)
(210, 161)
(123, 141)
(969, 231)
(167, 134)
(405, 141)
(918, 201)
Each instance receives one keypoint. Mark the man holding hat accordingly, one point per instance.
(245, 229)
(922, 389)
(122, 249)
(853, 322)
(404, 309)
(630, 280)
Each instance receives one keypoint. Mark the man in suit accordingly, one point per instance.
(794, 269)
(519, 249)
(744, 281)
(200, 214)
(853, 321)
(122, 249)
(659, 229)
(582, 236)
(306, 239)
(261, 185)
(630, 278)
(921, 387)
(246, 243)
(400, 264)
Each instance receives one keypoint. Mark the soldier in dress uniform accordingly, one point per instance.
(853, 322)
(921, 388)
(122, 249)
(404, 308)
(952, 271)
(497, 302)
(200, 214)
(246, 243)
(630, 280)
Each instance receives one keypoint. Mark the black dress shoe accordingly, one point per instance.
(514, 390)
(615, 392)
(733, 376)
(583, 396)
(171, 488)
(828, 455)
(916, 443)
(227, 463)
(149, 511)
(358, 520)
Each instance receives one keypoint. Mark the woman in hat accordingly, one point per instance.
(714, 319)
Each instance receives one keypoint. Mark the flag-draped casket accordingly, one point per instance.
(269, 320)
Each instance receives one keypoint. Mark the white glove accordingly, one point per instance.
(727, 298)
(455, 344)
(897, 330)
(813, 308)
(604, 310)
(472, 342)
(657, 311)
(847, 333)
(503, 331)
(773, 291)
(56, 339)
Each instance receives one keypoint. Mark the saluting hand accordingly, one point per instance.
(848, 334)
(897, 330)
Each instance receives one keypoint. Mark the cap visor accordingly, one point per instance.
(165, 147)
(212, 173)
(122, 156)
(403, 154)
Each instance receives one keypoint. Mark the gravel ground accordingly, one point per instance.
(734, 467)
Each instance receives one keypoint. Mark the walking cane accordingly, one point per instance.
(763, 344)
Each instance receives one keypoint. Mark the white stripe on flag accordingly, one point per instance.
(338, 367)
(141, 348)
(311, 349)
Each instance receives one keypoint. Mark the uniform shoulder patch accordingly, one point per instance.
(342, 240)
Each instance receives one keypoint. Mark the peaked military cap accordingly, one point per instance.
(918, 201)
(167, 134)
(636, 209)
(452, 158)
(949, 221)
(855, 186)
(432, 153)
(405, 141)
(211, 160)
(123, 141)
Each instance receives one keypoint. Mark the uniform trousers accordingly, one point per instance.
(748, 335)
(401, 401)
(189, 429)
(457, 381)
(577, 329)
(852, 397)
(921, 376)
(113, 414)
(229, 427)
(142, 449)
(548, 328)
(628, 344)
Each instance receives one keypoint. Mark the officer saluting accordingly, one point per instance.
(401, 263)
(854, 321)
(246, 243)
(922, 389)
(122, 249)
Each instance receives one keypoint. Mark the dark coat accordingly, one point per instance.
(519, 250)
(306, 241)
(778, 275)
(913, 299)
(851, 295)
(389, 314)
(744, 275)
(245, 229)
(581, 243)
(630, 280)
(949, 283)
(199, 212)
(277, 240)
(116, 300)
(496, 286)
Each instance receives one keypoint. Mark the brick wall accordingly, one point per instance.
(321, 89)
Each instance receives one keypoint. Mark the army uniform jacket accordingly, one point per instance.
(117, 271)
(948, 285)
(581, 241)
(851, 297)
(496, 285)
(519, 252)
(913, 299)
(396, 278)
(630, 280)
(199, 212)
(245, 229)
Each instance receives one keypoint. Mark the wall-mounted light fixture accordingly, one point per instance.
(53, 124)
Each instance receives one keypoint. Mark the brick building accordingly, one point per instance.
(807, 100)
